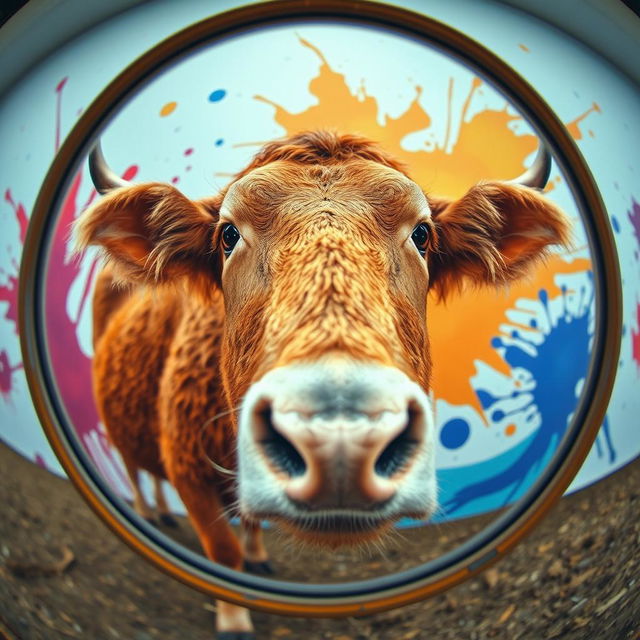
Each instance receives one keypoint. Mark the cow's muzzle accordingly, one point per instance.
(336, 447)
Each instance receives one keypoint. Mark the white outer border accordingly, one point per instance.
(608, 27)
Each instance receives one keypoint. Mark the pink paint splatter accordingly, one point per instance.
(74, 382)
(40, 461)
(9, 294)
(70, 366)
(9, 290)
(188, 151)
(635, 339)
(6, 374)
(20, 214)
(130, 172)
(60, 86)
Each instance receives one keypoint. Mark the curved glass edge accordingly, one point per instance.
(493, 541)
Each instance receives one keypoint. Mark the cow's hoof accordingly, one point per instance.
(259, 568)
(168, 520)
(235, 635)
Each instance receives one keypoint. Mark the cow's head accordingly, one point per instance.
(325, 252)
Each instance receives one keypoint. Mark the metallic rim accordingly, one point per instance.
(356, 598)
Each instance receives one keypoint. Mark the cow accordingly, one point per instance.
(265, 349)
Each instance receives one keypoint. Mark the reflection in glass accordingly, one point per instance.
(507, 365)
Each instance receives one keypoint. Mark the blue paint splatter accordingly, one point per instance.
(219, 142)
(486, 399)
(615, 224)
(217, 95)
(459, 482)
(554, 370)
(606, 434)
(454, 433)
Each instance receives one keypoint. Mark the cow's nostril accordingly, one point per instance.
(278, 449)
(397, 454)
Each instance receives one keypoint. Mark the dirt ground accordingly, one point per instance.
(64, 575)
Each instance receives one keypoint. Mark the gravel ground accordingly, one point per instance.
(63, 574)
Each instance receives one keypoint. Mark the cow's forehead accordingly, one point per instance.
(284, 188)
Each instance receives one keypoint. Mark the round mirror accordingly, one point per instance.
(250, 372)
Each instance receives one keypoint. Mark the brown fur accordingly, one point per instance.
(326, 264)
(494, 234)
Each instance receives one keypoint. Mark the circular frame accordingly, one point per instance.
(386, 592)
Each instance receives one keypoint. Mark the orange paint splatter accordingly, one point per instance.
(439, 170)
(455, 345)
(168, 109)
(510, 429)
(573, 126)
(524, 48)
(449, 170)
(551, 185)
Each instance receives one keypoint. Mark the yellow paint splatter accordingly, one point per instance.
(168, 109)
(524, 48)
(462, 328)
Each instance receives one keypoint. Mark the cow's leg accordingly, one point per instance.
(220, 545)
(161, 504)
(256, 558)
(139, 503)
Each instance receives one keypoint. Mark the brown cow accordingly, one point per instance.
(284, 321)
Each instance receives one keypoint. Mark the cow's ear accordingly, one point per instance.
(152, 232)
(492, 235)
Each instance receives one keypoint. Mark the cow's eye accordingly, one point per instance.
(420, 237)
(230, 237)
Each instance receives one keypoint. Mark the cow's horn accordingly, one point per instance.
(537, 175)
(104, 179)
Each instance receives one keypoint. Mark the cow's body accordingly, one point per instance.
(157, 363)
(297, 295)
